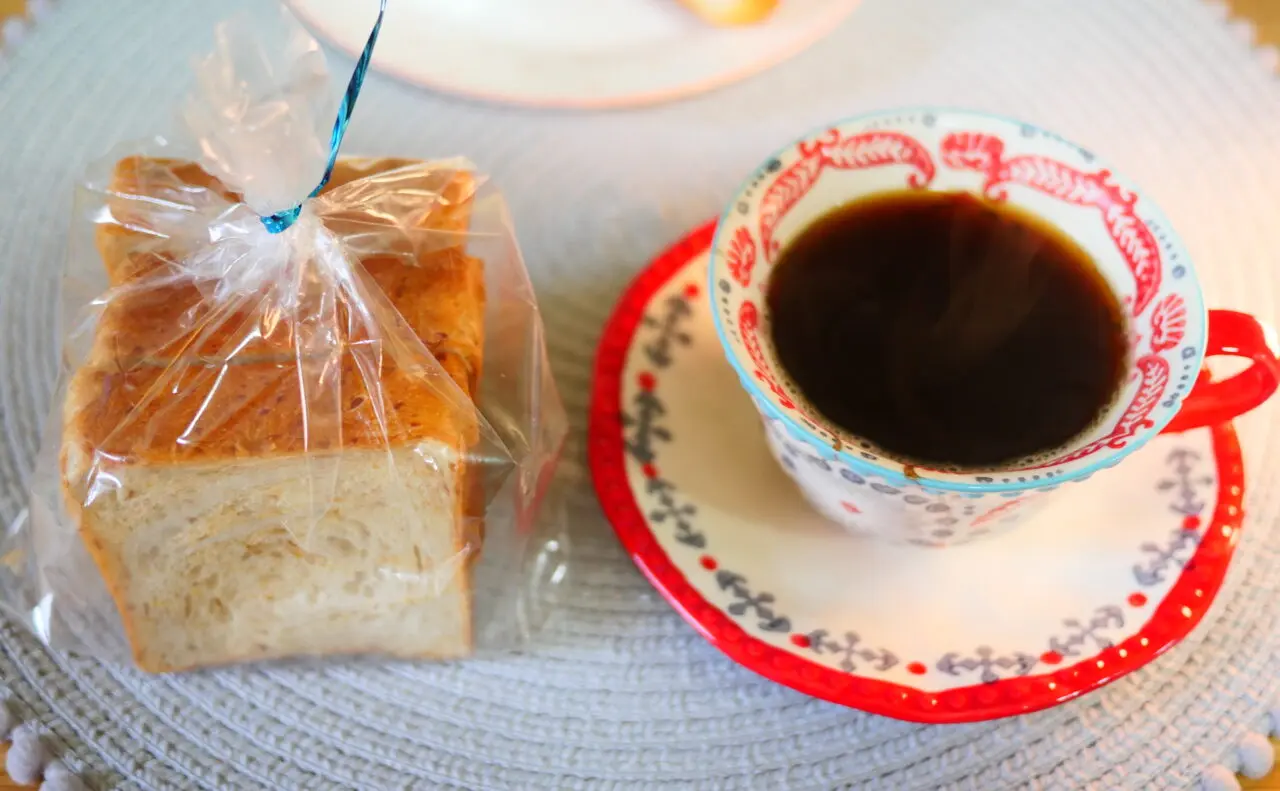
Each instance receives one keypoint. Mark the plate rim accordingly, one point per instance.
(1166, 627)
(613, 101)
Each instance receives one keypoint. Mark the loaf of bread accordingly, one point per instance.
(732, 12)
(201, 438)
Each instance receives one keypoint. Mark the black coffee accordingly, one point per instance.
(947, 330)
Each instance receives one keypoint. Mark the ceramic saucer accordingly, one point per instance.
(569, 53)
(1095, 586)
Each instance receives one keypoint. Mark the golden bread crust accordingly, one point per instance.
(154, 415)
(158, 315)
(159, 319)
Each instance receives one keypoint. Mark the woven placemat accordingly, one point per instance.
(619, 693)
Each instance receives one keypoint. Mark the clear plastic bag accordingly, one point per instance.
(332, 439)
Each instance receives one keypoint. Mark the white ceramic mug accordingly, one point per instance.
(865, 488)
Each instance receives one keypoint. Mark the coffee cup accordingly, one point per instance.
(870, 490)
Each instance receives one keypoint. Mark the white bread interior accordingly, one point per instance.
(200, 583)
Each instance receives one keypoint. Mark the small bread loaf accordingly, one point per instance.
(199, 441)
(732, 12)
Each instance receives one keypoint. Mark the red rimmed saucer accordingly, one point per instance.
(1095, 586)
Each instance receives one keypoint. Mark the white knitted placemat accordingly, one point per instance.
(619, 692)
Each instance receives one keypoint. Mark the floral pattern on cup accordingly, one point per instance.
(1128, 238)
(899, 512)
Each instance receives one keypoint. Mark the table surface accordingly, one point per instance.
(1264, 13)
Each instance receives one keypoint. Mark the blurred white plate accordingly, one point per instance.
(568, 53)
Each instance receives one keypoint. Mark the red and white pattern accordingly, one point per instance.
(998, 512)
(778, 591)
(782, 195)
(832, 150)
(741, 256)
(1168, 323)
(749, 327)
(943, 151)
(1154, 372)
(985, 154)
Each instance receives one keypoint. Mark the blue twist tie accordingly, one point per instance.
(281, 220)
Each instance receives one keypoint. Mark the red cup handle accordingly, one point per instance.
(1209, 403)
